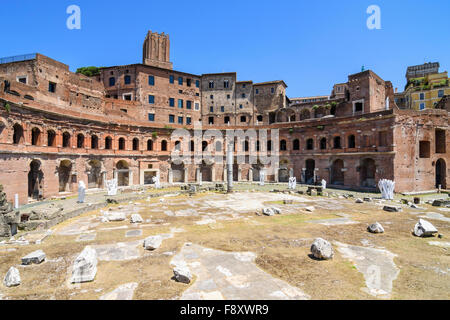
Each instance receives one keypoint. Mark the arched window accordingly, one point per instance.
(245, 146)
(35, 137)
(164, 145)
(296, 145)
(66, 140)
(94, 142)
(121, 144)
(18, 134)
(135, 144)
(177, 146)
(351, 141)
(51, 138)
(337, 143)
(305, 114)
(310, 144)
(80, 141)
(108, 143)
(283, 145)
(150, 145)
(204, 145)
(323, 144)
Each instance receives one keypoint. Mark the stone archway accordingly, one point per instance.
(94, 173)
(367, 173)
(441, 174)
(35, 180)
(310, 171)
(178, 173)
(64, 174)
(337, 175)
(123, 173)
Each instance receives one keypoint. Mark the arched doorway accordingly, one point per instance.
(64, 173)
(337, 175)
(123, 173)
(35, 180)
(178, 173)
(94, 173)
(310, 171)
(441, 177)
(283, 172)
(367, 171)
(206, 172)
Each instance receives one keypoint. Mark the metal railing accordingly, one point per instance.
(23, 57)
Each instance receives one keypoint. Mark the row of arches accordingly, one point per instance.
(323, 143)
(292, 115)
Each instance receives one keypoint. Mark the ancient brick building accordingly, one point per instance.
(58, 128)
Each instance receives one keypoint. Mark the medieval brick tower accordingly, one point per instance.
(156, 51)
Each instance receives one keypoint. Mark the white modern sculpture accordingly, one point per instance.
(111, 185)
(324, 184)
(292, 183)
(81, 191)
(387, 189)
(156, 182)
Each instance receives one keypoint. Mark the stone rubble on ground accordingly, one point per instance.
(182, 274)
(136, 218)
(310, 209)
(12, 278)
(424, 229)
(115, 216)
(85, 266)
(392, 209)
(375, 228)
(35, 257)
(152, 243)
(359, 201)
(322, 249)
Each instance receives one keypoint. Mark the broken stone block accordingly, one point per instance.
(367, 199)
(424, 229)
(85, 266)
(310, 209)
(322, 249)
(136, 218)
(276, 210)
(376, 228)
(359, 201)
(392, 209)
(12, 278)
(152, 243)
(35, 257)
(182, 274)
(115, 216)
(268, 212)
(441, 203)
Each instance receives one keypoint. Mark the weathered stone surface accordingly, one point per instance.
(392, 209)
(122, 293)
(359, 201)
(85, 266)
(35, 257)
(424, 229)
(153, 243)
(115, 216)
(376, 228)
(136, 218)
(276, 210)
(12, 278)
(182, 274)
(322, 249)
(310, 209)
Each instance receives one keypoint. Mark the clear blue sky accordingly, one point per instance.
(309, 44)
